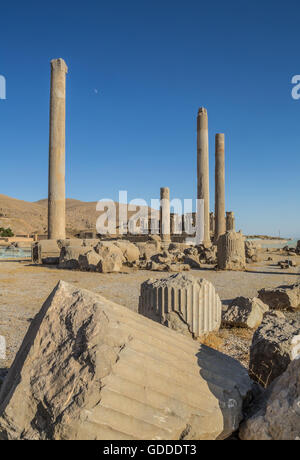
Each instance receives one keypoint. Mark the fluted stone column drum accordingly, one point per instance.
(182, 302)
(231, 251)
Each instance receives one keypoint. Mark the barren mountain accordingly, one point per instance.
(25, 217)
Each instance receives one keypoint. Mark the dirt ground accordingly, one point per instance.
(24, 287)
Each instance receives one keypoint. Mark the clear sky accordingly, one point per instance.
(138, 72)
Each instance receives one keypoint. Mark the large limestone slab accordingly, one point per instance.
(278, 416)
(91, 369)
(193, 301)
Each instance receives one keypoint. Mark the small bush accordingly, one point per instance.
(6, 232)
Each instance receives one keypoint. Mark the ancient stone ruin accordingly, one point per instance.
(182, 302)
(89, 369)
(276, 416)
(57, 195)
(231, 251)
(230, 221)
(220, 221)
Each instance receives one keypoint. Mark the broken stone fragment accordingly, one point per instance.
(93, 370)
(278, 414)
(129, 250)
(244, 312)
(274, 345)
(282, 298)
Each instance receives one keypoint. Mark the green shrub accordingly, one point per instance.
(6, 232)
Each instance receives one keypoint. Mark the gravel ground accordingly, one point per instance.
(24, 287)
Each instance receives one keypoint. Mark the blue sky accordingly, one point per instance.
(153, 64)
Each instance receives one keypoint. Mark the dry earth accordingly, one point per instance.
(24, 287)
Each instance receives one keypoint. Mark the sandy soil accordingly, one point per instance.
(24, 287)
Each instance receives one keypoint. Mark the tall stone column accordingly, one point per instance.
(203, 168)
(165, 229)
(230, 221)
(220, 223)
(56, 191)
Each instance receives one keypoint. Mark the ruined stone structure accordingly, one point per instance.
(220, 224)
(56, 192)
(212, 223)
(182, 302)
(165, 220)
(230, 221)
(203, 168)
(91, 369)
(231, 251)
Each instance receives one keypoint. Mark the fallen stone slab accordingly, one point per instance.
(111, 256)
(244, 312)
(91, 369)
(282, 297)
(274, 345)
(69, 256)
(89, 261)
(278, 415)
(130, 251)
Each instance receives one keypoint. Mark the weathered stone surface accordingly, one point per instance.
(230, 221)
(244, 312)
(57, 195)
(192, 261)
(45, 251)
(165, 219)
(89, 261)
(278, 416)
(69, 242)
(129, 250)
(178, 267)
(203, 168)
(149, 249)
(69, 257)
(91, 369)
(195, 301)
(252, 251)
(220, 220)
(231, 251)
(274, 345)
(282, 298)
(111, 256)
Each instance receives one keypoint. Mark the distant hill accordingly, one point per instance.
(26, 217)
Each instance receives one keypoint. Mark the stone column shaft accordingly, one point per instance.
(220, 222)
(56, 191)
(230, 221)
(203, 168)
(165, 221)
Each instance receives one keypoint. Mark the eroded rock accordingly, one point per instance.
(278, 416)
(91, 369)
(244, 312)
(274, 345)
(282, 298)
